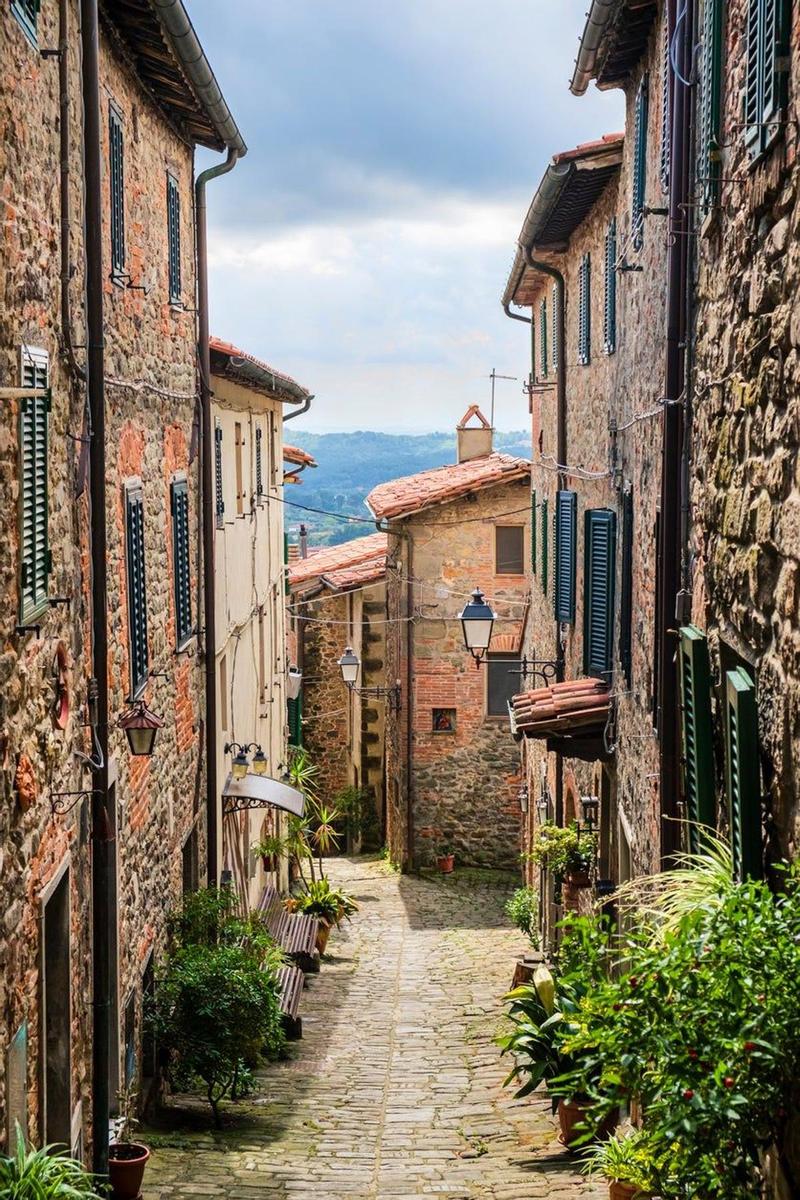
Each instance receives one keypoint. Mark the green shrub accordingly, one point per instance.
(523, 910)
(626, 1158)
(46, 1174)
(563, 851)
(323, 901)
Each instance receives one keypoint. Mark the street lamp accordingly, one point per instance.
(477, 620)
(349, 665)
(259, 762)
(294, 680)
(240, 764)
(141, 728)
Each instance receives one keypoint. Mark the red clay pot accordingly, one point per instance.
(126, 1164)
(323, 933)
(624, 1191)
(571, 1114)
(446, 863)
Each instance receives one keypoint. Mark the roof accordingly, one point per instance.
(413, 493)
(357, 575)
(613, 40)
(329, 559)
(473, 411)
(570, 186)
(229, 362)
(161, 45)
(293, 454)
(575, 708)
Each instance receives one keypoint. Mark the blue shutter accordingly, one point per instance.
(610, 298)
(566, 530)
(741, 751)
(698, 752)
(666, 108)
(27, 13)
(585, 311)
(554, 339)
(174, 239)
(218, 495)
(626, 596)
(709, 104)
(34, 517)
(543, 338)
(766, 77)
(599, 590)
(137, 593)
(117, 191)
(639, 181)
(545, 545)
(180, 562)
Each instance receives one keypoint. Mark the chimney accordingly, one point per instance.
(473, 440)
(303, 542)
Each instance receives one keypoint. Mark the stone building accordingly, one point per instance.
(247, 413)
(452, 771)
(66, 785)
(337, 598)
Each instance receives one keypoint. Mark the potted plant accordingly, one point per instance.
(48, 1174)
(329, 905)
(126, 1159)
(445, 859)
(566, 852)
(270, 848)
(627, 1161)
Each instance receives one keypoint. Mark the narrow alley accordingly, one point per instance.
(396, 1087)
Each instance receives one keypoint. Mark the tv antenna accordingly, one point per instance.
(494, 377)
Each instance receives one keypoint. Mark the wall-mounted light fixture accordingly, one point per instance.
(141, 728)
(350, 665)
(240, 764)
(294, 681)
(477, 620)
(524, 798)
(591, 810)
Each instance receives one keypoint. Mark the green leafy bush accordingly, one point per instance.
(523, 910)
(625, 1158)
(322, 900)
(564, 851)
(46, 1174)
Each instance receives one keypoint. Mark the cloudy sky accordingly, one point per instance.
(364, 242)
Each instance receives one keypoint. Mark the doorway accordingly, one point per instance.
(56, 1014)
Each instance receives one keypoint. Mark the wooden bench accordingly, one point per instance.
(295, 933)
(290, 988)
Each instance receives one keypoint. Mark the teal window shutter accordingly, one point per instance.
(174, 239)
(585, 311)
(766, 75)
(295, 720)
(543, 338)
(34, 517)
(709, 104)
(666, 109)
(533, 532)
(599, 584)
(259, 464)
(639, 179)
(696, 732)
(219, 501)
(116, 176)
(741, 754)
(545, 545)
(566, 549)
(610, 297)
(554, 338)
(137, 591)
(181, 579)
(27, 13)
(626, 590)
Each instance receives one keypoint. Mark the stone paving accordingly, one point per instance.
(395, 1090)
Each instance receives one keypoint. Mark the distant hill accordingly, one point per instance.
(351, 464)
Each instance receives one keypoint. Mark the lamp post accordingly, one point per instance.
(141, 728)
(350, 665)
(477, 620)
(240, 763)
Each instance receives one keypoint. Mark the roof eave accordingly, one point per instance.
(598, 20)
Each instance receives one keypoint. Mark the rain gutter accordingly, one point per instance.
(598, 20)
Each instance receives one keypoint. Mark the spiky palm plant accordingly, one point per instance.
(46, 1174)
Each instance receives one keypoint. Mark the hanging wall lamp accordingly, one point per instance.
(477, 620)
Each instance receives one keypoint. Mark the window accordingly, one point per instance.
(744, 800)
(556, 310)
(666, 108)
(295, 718)
(626, 597)
(610, 299)
(259, 464)
(180, 562)
(174, 239)
(27, 13)
(509, 549)
(443, 720)
(710, 97)
(599, 584)
(766, 75)
(545, 544)
(237, 438)
(533, 532)
(116, 176)
(189, 864)
(584, 311)
(137, 594)
(502, 682)
(219, 498)
(566, 543)
(698, 759)
(223, 692)
(543, 338)
(34, 557)
(639, 180)
(656, 629)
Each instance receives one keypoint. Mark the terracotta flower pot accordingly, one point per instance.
(323, 933)
(571, 1114)
(624, 1191)
(270, 862)
(126, 1164)
(579, 879)
(446, 863)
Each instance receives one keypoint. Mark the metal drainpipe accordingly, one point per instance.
(207, 505)
(95, 355)
(298, 412)
(561, 454)
(410, 705)
(669, 564)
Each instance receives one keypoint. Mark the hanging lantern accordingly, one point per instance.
(259, 762)
(477, 620)
(239, 764)
(294, 680)
(141, 728)
(349, 665)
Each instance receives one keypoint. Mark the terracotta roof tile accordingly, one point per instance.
(589, 149)
(357, 575)
(231, 362)
(413, 493)
(575, 707)
(336, 558)
(293, 454)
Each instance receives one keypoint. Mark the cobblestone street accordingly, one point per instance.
(395, 1089)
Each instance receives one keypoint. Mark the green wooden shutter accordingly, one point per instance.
(543, 338)
(599, 589)
(174, 239)
(709, 117)
(219, 499)
(137, 592)
(666, 108)
(566, 529)
(584, 311)
(181, 578)
(744, 798)
(554, 338)
(259, 464)
(34, 518)
(533, 532)
(117, 191)
(610, 297)
(27, 13)
(696, 730)
(639, 178)
(766, 75)
(545, 545)
(626, 591)
(295, 719)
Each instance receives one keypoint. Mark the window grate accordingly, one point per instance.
(259, 464)
(117, 191)
(666, 109)
(554, 339)
(610, 297)
(218, 495)
(174, 239)
(137, 592)
(180, 562)
(35, 557)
